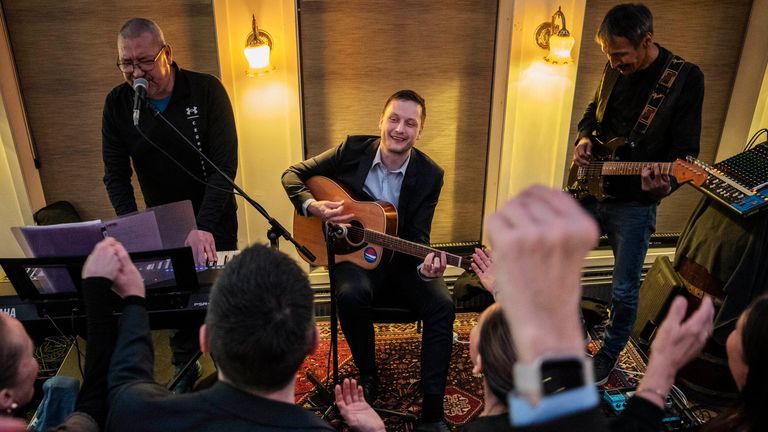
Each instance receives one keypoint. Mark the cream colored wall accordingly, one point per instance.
(538, 100)
(760, 118)
(267, 109)
(747, 107)
(17, 196)
(15, 210)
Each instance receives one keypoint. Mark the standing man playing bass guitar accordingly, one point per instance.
(653, 98)
(388, 168)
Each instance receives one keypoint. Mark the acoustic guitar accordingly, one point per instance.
(368, 240)
(590, 180)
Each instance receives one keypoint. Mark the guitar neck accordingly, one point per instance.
(632, 168)
(408, 247)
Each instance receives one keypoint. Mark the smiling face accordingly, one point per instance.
(400, 126)
(23, 387)
(145, 48)
(625, 57)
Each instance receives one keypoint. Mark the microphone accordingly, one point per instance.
(140, 87)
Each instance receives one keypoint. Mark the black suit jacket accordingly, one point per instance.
(349, 164)
(138, 403)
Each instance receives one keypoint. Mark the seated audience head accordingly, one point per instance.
(748, 359)
(18, 367)
(489, 349)
(260, 323)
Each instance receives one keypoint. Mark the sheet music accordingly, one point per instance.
(61, 240)
(137, 232)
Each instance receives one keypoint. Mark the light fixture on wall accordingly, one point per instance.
(556, 39)
(258, 48)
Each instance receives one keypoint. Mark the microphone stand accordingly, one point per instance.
(276, 230)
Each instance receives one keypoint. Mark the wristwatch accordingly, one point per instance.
(552, 374)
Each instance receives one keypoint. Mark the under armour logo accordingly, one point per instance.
(192, 110)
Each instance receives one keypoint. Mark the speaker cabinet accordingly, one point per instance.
(661, 285)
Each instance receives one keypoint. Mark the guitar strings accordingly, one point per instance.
(384, 240)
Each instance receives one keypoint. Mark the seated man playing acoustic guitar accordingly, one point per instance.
(388, 168)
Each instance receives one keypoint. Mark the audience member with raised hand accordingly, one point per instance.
(678, 341)
(747, 359)
(260, 326)
(357, 413)
(481, 265)
(492, 357)
(20, 366)
(540, 239)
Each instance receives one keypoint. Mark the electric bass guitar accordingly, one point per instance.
(590, 180)
(368, 240)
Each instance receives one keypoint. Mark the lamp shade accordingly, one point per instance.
(258, 56)
(560, 46)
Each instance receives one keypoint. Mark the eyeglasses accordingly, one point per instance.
(144, 65)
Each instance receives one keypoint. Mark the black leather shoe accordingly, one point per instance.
(438, 426)
(370, 385)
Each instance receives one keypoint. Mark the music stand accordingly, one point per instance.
(54, 284)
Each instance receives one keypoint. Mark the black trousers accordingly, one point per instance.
(358, 289)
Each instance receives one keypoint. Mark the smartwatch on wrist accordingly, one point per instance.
(552, 374)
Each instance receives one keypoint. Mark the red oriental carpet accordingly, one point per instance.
(398, 348)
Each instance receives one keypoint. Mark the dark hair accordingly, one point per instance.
(749, 411)
(260, 319)
(754, 394)
(629, 20)
(135, 27)
(496, 353)
(10, 355)
(409, 95)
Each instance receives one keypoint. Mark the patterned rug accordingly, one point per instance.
(398, 348)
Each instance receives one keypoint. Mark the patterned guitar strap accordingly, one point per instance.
(663, 86)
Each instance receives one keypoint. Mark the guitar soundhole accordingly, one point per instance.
(355, 236)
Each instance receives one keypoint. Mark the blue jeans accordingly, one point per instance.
(629, 226)
(59, 398)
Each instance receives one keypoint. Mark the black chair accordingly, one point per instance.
(389, 310)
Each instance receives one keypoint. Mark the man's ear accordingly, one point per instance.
(203, 335)
(647, 40)
(477, 369)
(169, 52)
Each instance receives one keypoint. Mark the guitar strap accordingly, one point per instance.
(656, 98)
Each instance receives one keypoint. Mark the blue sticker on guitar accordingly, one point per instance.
(370, 254)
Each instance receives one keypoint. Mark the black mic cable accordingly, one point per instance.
(237, 190)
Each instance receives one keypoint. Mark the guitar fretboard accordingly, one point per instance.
(400, 245)
(630, 168)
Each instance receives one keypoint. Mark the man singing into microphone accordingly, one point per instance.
(169, 169)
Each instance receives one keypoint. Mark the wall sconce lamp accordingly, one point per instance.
(257, 50)
(556, 39)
